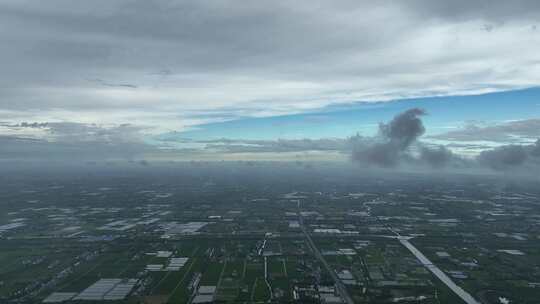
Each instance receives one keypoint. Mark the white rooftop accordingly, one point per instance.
(207, 290)
(57, 297)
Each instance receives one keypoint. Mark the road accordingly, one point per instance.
(404, 240)
(342, 290)
(465, 296)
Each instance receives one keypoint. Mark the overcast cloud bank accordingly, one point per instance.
(160, 62)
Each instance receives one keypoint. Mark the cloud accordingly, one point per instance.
(404, 129)
(504, 157)
(393, 141)
(226, 145)
(510, 157)
(380, 154)
(19, 148)
(536, 149)
(398, 144)
(391, 147)
(73, 141)
(513, 131)
(489, 10)
(77, 132)
(155, 61)
(108, 84)
(437, 157)
(69, 132)
(29, 125)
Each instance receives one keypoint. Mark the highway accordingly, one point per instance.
(465, 296)
(404, 240)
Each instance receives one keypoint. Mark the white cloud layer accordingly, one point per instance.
(154, 63)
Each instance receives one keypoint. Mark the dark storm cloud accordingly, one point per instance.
(393, 141)
(398, 144)
(404, 129)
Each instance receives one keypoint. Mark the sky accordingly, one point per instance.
(144, 79)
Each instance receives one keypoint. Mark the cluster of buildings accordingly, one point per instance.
(174, 263)
(102, 290)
